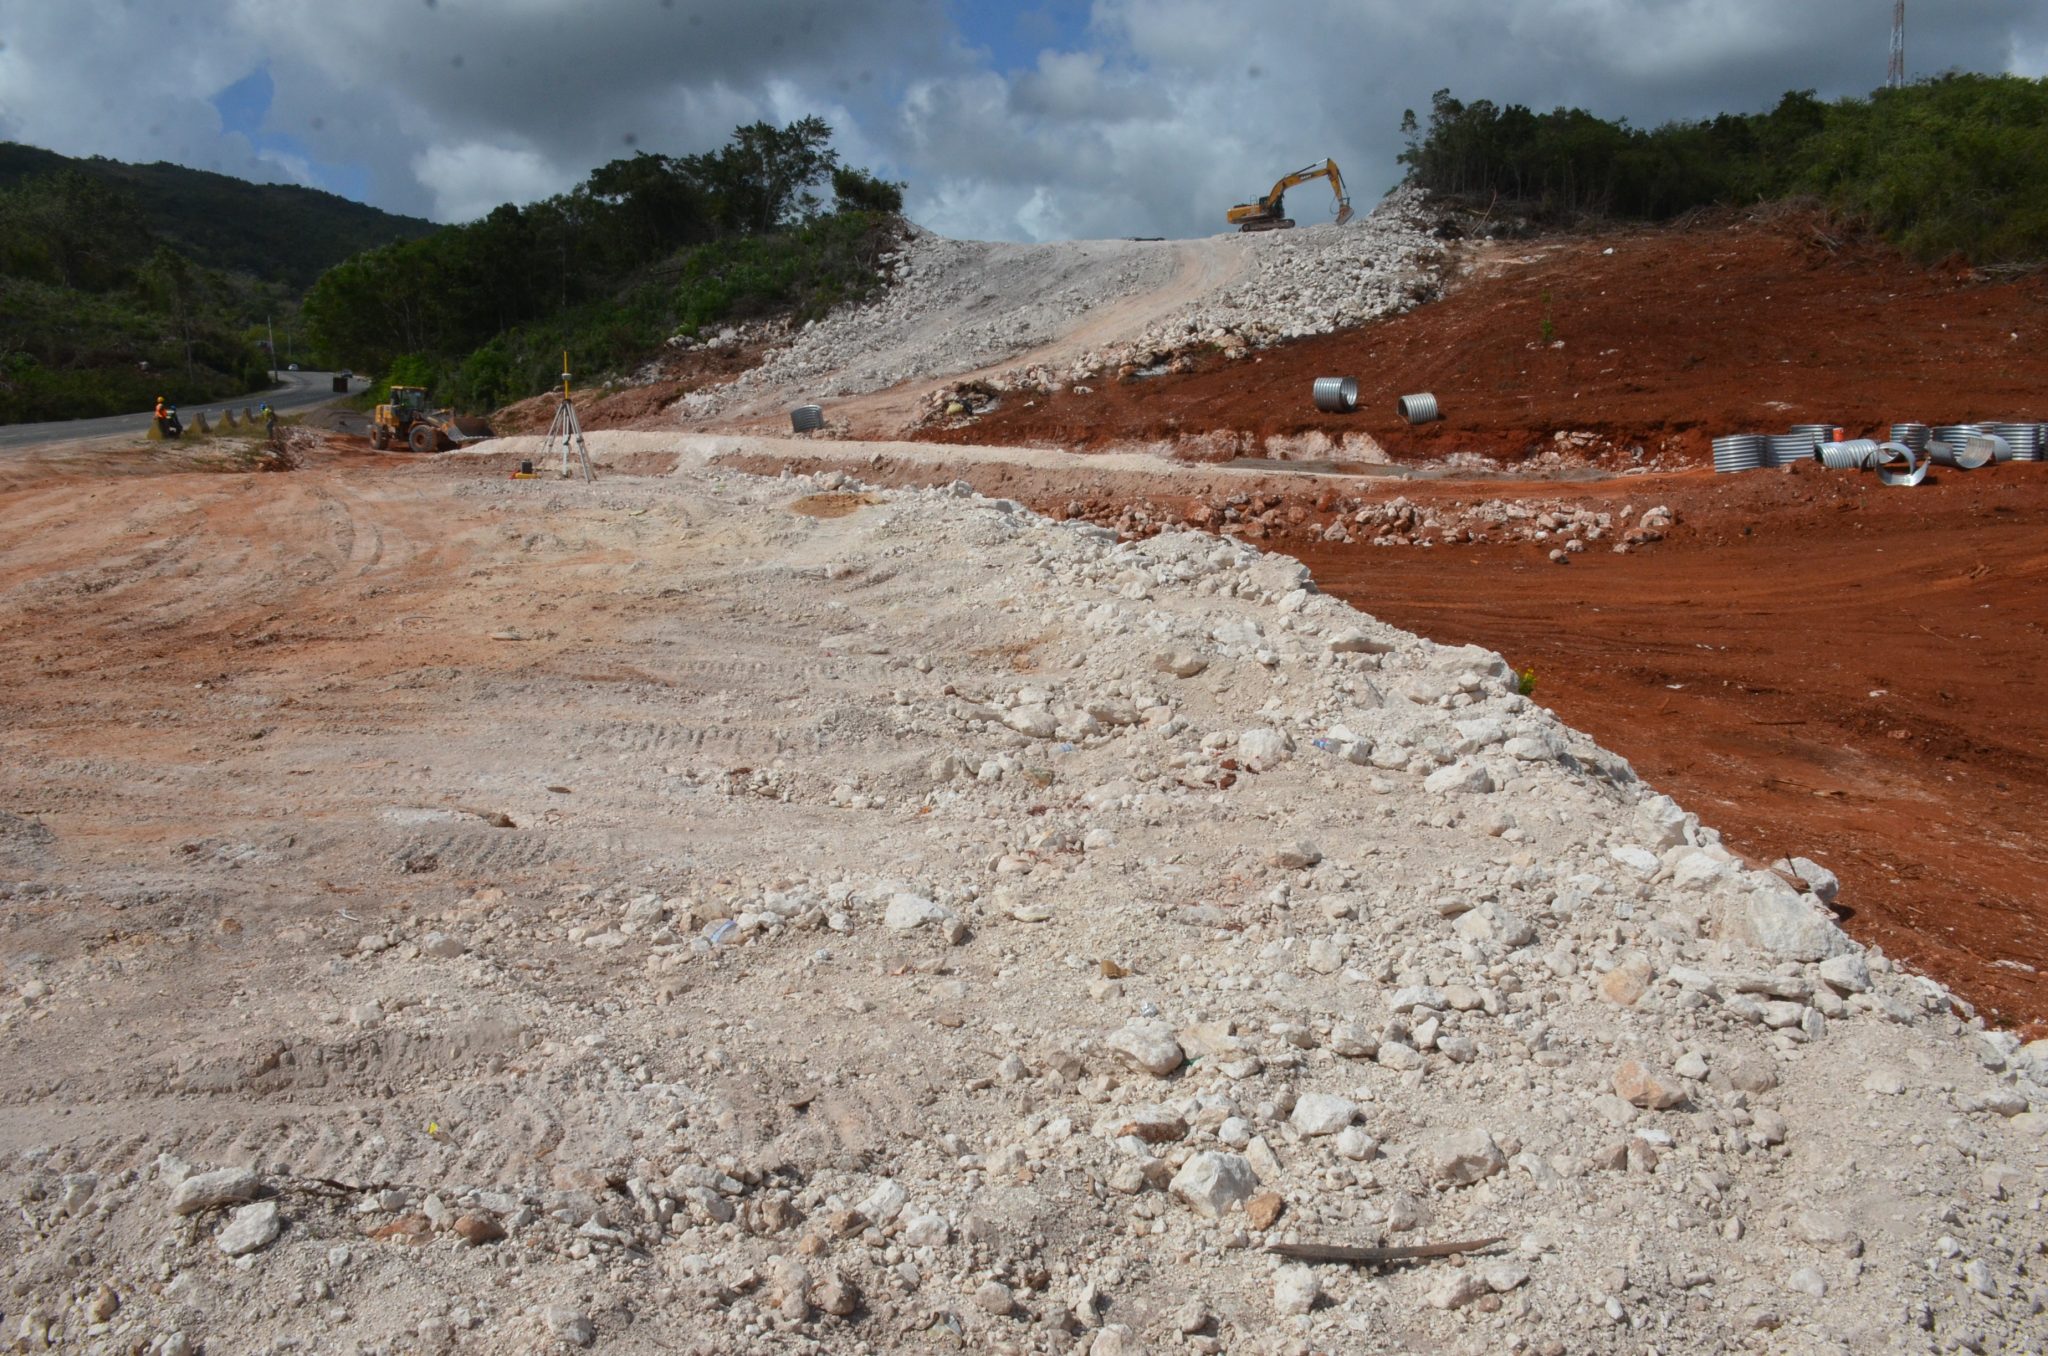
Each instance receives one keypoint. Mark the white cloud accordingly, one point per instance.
(469, 179)
(294, 169)
(1164, 114)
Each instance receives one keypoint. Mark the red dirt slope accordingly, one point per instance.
(1656, 338)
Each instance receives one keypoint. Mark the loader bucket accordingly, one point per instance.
(469, 430)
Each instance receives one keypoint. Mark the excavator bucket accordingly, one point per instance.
(1344, 214)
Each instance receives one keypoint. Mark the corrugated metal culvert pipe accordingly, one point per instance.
(1965, 455)
(1915, 436)
(1892, 473)
(1738, 452)
(1338, 395)
(2024, 439)
(1786, 448)
(1419, 409)
(1859, 454)
(1894, 463)
(807, 418)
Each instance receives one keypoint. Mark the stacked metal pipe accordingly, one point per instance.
(1902, 460)
(2024, 439)
(1739, 452)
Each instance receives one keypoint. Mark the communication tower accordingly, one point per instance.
(1896, 77)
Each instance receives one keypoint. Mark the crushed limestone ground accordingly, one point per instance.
(922, 927)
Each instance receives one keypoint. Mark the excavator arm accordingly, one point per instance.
(1269, 213)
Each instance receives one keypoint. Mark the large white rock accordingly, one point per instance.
(1462, 1157)
(1492, 923)
(1149, 1046)
(1322, 1113)
(228, 1186)
(251, 1228)
(907, 911)
(1535, 748)
(884, 1203)
(1847, 973)
(927, 1231)
(1210, 1182)
(1661, 822)
(1035, 722)
(1792, 926)
(1264, 748)
(1642, 861)
(1822, 882)
(1474, 736)
(1697, 870)
(1462, 777)
(1456, 1288)
(1295, 1290)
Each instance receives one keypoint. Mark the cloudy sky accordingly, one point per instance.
(1009, 119)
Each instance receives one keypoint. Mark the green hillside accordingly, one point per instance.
(277, 232)
(121, 282)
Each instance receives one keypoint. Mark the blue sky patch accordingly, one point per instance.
(244, 105)
(1015, 33)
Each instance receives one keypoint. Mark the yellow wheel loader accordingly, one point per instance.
(1268, 213)
(408, 420)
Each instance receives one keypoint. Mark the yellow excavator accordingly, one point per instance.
(1267, 213)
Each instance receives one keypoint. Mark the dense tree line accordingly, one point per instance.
(1952, 165)
(607, 270)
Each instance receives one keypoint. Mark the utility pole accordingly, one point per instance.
(1896, 77)
(272, 346)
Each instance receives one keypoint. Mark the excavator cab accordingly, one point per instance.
(1270, 213)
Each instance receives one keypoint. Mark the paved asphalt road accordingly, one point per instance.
(299, 391)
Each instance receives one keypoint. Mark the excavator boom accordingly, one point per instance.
(1269, 213)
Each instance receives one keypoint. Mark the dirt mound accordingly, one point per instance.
(1645, 344)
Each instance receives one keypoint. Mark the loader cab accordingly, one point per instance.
(409, 399)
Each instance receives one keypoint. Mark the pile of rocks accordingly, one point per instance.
(1308, 281)
(1564, 530)
(776, 330)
